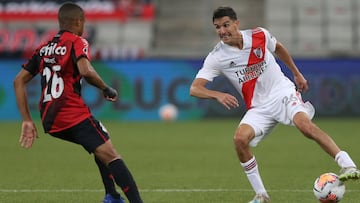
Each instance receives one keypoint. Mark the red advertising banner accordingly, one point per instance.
(95, 10)
(20, 43)
(25, 24)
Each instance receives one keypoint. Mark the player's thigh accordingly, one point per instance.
(90, 134)
(292, 104)
(261, 123)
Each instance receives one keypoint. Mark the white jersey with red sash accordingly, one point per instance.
(252, 70)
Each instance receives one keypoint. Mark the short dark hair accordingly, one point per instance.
(224, 11)
(69, 11)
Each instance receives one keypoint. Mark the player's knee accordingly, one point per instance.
(241, 140)
(106, 153)
(106, 157)
(243, 136)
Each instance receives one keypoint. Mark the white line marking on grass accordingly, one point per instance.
(229, 190)
(195, 190)
(153, 190)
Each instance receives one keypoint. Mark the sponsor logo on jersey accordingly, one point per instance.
(52, 49)
(250, 72)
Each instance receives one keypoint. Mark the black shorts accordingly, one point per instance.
(89, 133)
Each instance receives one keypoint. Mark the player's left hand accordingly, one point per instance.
(110, 94)
(28, 134)
(227, 100)
(301, 83)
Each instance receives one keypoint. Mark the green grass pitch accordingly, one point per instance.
(174, 162)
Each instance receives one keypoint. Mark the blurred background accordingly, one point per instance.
(150, 50)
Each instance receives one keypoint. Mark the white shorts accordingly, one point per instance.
(263, 119)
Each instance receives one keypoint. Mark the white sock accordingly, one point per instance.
(343, 160)
(253, 175)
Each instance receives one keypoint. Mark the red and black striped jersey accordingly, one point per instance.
(61, 105)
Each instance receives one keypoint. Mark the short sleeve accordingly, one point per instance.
(270, 39)
(33, 64)
(82, 49)
(209, 70)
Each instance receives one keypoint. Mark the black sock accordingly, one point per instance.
(124, 179)
(107, 179)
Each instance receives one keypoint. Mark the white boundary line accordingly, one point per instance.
(151, 190)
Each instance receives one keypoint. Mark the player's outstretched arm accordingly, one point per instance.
(199, 90)
(286, 58)
(28, 129)
(93, 78)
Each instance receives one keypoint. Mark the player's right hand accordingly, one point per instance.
(28, 134)
(110, 93)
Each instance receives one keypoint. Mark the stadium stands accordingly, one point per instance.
(117, 29)
(184, 28)
(123, 29)
(319, 28)
(308, 28)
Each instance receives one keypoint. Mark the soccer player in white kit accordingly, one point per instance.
(246, 58)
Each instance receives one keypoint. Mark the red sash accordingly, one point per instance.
(257, 54)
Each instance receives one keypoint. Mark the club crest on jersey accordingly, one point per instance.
(258, 52)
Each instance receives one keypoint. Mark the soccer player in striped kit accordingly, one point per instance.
(246, 58)
(62, 63)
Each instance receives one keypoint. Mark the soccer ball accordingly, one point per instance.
(168, 112)
(328, 188)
